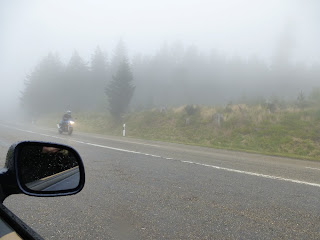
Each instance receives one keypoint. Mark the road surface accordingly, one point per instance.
(137, 189)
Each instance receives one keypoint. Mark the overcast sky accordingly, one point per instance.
(31, 29)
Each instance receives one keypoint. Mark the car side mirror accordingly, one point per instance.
(46, 169)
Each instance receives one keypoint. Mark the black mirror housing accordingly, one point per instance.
(42, 169)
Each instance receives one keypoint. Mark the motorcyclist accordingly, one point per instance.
(66, 117)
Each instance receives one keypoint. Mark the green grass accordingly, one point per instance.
(287, 132)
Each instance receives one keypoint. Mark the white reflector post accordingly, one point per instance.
(124, 130)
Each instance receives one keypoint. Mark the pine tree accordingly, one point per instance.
(99, 77)
(76, 92)
(42, 86)
(120, 55)
(120, 90)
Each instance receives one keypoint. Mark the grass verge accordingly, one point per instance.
(288, 132)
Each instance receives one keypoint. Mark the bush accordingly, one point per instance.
(191, 110)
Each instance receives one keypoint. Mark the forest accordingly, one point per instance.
(175, 75)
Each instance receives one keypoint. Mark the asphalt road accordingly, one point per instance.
(138, 189)
(64, 183)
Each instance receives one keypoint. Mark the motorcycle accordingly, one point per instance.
(66, 126)
(40, 169)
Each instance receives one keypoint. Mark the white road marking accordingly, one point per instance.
(115, 140)
(87, 143)
(182, 161)
(116, 149)
(313, 168)
(122, 141)
(255, 174)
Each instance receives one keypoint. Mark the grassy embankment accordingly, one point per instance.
(288, 132)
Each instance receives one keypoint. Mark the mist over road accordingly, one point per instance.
(138, 189)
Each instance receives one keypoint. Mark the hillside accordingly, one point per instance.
(291, 132)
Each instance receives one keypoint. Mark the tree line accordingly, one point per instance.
(174, 75)
(78, 86)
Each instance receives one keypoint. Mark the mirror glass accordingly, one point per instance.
(48, 168)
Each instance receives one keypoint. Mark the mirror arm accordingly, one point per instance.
(10, 186)
(3, 195)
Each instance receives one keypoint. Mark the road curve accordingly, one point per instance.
(139, 189)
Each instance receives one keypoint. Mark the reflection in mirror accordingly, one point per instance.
(47, 168)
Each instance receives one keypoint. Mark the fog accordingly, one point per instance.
(180, 52)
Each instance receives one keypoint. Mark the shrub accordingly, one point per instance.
(191, 110)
